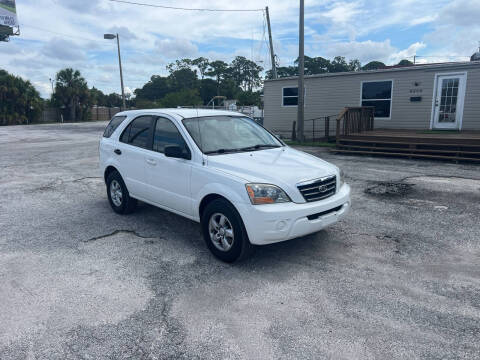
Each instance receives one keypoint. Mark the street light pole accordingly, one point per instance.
(111, 37)
(51, 82)
(121, 73)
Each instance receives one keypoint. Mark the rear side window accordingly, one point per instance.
(138, 132)
(166, 134)
(113, 125)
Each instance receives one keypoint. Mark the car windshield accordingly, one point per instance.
(226, 134)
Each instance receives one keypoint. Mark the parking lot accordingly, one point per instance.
(399, 278)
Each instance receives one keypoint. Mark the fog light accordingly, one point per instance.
(281, 225)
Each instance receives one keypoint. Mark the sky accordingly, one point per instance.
(56, 34)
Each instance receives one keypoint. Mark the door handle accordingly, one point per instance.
(151, 162)
(117, 151)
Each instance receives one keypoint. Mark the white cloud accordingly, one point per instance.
(62, 49)
(60, 33)
(364, 51)
(175, 48)
(123, 31)
(423, 20)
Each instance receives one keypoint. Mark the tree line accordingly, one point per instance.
(190, 82)
(320, 65)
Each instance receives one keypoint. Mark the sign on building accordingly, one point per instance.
(8, 13)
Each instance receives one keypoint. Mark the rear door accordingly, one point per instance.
(132, 150)
(169, 178)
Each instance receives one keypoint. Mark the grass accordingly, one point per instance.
(310, 143)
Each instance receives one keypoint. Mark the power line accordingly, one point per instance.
(59, 34)
(182, 8)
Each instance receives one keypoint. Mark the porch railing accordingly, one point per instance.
(354, 120)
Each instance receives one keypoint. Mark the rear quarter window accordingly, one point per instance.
(113, 125)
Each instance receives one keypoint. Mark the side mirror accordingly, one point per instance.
(176, 152)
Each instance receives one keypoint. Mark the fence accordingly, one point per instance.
(95, 113)
(316, 129)
(100, 113)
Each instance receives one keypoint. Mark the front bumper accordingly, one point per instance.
(266, 224)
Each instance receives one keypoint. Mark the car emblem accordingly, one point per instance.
(322, 188)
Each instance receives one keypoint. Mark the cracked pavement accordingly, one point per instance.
(399, 278)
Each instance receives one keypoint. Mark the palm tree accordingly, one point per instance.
(20, 102)
(71, 91)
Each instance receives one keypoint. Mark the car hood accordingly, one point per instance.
(284, 167)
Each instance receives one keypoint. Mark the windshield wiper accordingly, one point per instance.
(259, 146)
(221, 151)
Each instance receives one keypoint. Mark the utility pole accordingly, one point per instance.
(414, 59)
(301, 66)
(121, 73)
(272, 54)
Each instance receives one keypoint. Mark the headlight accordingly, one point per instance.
(341, 179)
(266, 194)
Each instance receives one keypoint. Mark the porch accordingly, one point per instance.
(356, 133)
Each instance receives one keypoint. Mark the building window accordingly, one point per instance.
(290, 96)
(379, 95)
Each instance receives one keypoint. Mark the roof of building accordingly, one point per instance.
(182, 112)
(389, 69)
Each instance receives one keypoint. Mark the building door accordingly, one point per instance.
(449, 99)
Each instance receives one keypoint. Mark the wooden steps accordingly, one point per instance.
(411, 147)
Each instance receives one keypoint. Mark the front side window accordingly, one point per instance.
(379, 95)
(223, 134)
(113, 125)
(167, 134)
(137, 132)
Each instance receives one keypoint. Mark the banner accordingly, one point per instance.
(8, 13)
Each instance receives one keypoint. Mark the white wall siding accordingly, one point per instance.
(471, 110)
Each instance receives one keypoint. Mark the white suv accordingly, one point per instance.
(219, 168)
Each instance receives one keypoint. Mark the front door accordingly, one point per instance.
(448, 107)
(168, 178)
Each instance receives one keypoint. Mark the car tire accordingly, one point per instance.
(224, 232)
(118, 195)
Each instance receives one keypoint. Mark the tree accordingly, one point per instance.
(229, 88)
(405, 62)
(283, 71)
(113, 100)
(185, 97)
(202, 65)
(245, 73)
(20, 102)
(249, 98)
(72, 93)
(374, 65)
(317, 65)
(183, 78)
(97, 97)
(354, 65)
(179, 65)
(218, 70)
(338, 64)
(208, 89)
(155, 89)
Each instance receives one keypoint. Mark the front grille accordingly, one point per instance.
(318, 189)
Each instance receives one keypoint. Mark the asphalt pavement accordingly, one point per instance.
(399, 278)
